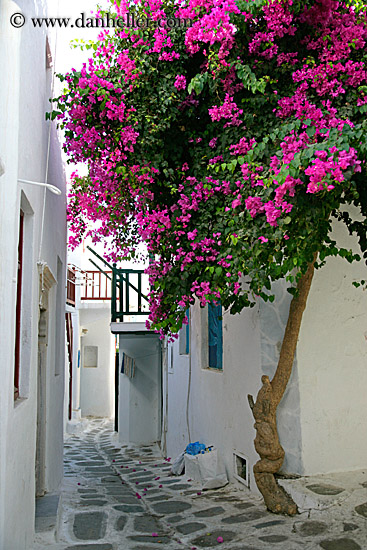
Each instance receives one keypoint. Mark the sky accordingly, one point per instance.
(65, 58)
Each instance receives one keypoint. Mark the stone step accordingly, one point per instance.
(48, 514)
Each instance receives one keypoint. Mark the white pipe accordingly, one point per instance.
(52, 188)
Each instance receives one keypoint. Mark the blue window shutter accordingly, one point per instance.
(215, 330)
(187, 350)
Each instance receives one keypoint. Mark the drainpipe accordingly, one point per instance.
(165, 402)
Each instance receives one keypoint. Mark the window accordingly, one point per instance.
(70, 286)
(90, 357)
(59, 314)
(215, 336)
(18, 315)
(184, 336)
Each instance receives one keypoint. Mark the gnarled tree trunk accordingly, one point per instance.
(264, 409)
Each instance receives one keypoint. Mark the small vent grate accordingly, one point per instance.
(241, 468)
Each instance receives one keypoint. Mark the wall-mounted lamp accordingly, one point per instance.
(52, 188)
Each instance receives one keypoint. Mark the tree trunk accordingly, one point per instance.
(264, 409)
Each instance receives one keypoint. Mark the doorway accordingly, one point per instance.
(41, 403)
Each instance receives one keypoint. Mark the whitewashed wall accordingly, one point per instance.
(219, 413)
(322, 414)
(97, 383)
(332, 361)
(24, 95)
(140, 401)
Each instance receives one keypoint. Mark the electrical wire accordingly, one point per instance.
(189, 384)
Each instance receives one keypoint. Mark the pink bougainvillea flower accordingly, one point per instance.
(180, 82)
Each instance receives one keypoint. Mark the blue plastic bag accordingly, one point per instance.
(195, 448)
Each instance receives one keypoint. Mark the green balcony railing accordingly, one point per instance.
(127, 296)
(129, 289)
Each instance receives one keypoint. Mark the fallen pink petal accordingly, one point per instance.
(154, 534)
(220, 539)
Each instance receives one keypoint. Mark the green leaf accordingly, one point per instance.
(197, 83)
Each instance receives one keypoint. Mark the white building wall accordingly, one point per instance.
(97, 383)
(219, 413)
(332, 360)
(9, 119)
(140, 397)
(24, 95)
(322, 414)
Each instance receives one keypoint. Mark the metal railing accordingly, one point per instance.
(129, 289)
(97, 285)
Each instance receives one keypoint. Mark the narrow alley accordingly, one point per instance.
(123, 498)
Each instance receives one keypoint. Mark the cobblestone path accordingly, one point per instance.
(123, 498)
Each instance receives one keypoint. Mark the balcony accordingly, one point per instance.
(96, 285)
(130, 288)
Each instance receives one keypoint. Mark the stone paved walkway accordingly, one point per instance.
(123, 498)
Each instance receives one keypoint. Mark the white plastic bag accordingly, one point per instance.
(178, 465)
(208, 469)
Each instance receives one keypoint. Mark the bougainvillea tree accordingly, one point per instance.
(226, 135)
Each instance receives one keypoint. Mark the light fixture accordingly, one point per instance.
(52, 188)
